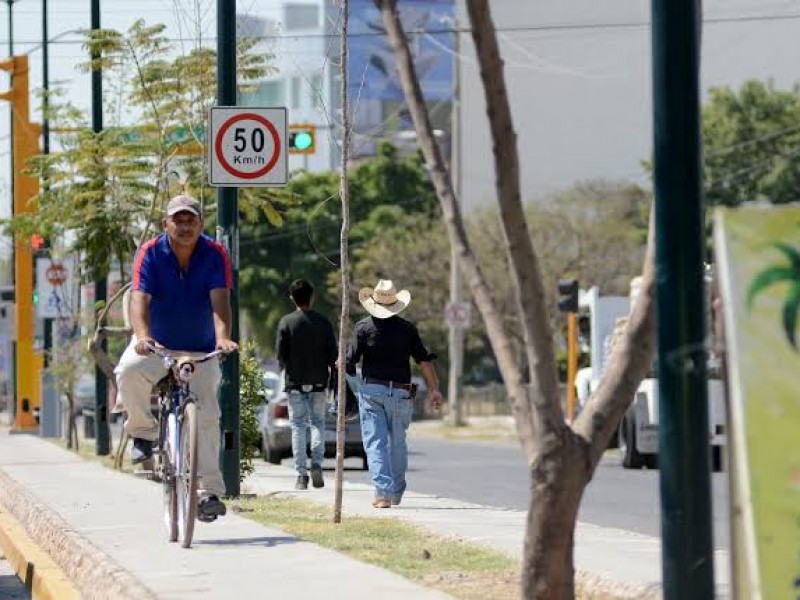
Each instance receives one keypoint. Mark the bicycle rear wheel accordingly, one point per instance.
(186, 479)
(167, 473)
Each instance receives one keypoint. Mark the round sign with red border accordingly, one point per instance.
(56, 274)
(247, 146)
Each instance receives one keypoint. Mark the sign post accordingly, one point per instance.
(247, 148)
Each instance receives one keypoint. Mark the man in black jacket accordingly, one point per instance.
(306, 348)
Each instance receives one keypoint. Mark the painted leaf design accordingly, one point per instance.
(766, 278)
(790, 252)
(790, 308)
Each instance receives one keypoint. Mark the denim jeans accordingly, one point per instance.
(385, 416)
(307, 408)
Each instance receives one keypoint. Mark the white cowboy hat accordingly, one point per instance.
(384, 301)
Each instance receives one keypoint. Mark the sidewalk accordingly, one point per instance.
(103, 526)
(104, 529)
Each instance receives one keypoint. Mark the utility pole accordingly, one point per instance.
(228, 235)
(684, 455)
(48, 322)
(456, 331)
(26, 188)
(102, 446)
(11, 196)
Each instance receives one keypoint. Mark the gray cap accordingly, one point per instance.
(183, 203)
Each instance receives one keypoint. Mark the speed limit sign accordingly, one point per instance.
(247, 147)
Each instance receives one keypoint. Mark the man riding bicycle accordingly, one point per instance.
(180, 300)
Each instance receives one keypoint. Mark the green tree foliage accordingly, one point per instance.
(388, 193)
(752, 144)
(102, 194)
(252, 394)
(595, 231)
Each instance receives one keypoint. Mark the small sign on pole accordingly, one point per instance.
(55, 288)
(457, 315)
(247, 147)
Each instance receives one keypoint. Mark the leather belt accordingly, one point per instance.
(317, 387)
(389, 384)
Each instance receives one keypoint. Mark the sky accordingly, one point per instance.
(580, 90)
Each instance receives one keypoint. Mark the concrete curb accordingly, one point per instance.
(591, 586)
(44, 579)
(93, 573)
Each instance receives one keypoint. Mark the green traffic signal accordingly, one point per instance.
(303, 140)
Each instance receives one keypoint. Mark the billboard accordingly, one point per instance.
(429, 26)
(758, 257)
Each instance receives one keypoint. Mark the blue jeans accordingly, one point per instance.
(305, 408)
(385, 416)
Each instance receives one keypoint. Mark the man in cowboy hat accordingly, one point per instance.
(384, 342)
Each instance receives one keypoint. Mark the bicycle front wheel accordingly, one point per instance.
(166, 472)
(186, 479)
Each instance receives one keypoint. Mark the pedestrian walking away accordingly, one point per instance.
(306, 349)
(384, 343)
(180, 300)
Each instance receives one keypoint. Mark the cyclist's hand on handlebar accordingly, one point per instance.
(141, 345)
(227, 346)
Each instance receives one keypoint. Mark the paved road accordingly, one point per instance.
(494, 474)
(11, 588)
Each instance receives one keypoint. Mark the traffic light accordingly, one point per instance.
(302, 139)
(568, 295)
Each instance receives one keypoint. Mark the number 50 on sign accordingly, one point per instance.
(247, 147)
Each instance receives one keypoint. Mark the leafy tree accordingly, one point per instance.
(386, 192)
(103, 193)
(252, 394)
(594, 231)
(752, 144)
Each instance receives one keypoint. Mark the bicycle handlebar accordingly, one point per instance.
(164, 353)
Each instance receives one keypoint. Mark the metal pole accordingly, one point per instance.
(456, 333)
(48, 323)
(228, 234)
(11, 198)
(572, 362)
(684, 456)
(102, 446)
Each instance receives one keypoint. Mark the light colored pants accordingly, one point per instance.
(307, 408)
(385, 416)
(136, 376)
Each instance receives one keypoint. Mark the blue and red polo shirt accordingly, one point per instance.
(180, 307)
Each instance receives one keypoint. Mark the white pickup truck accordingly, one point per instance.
(638, 431)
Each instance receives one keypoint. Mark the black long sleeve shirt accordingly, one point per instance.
(306, 348)
(385, 346)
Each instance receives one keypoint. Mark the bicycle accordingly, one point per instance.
(176, 448)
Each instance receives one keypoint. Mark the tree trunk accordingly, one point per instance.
(501, 344)
(344, 235)
(561, 459)
(558, 478)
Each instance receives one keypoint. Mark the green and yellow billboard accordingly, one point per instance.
(758, 261)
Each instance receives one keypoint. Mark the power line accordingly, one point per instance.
(504, 29)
